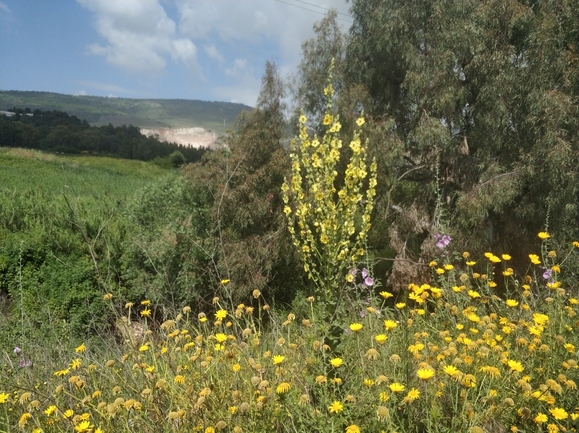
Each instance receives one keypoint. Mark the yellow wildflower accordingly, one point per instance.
(451, 370)
(534, 259)
(515, 365)
(83, 426)
(413, 394)
(179, 379)
(425, 373)
(355, 327)
(390, 324)
(336, 362)
(283, 388)
(24, 419)
(559, 413)
(220, 314)
(380, 338)
(336, 407)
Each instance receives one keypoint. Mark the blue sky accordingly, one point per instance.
(211, 50)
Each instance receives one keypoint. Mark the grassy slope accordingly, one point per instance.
(144, 113)
(51, 175)
(36, 224)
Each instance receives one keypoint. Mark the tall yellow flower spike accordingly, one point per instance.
(329, 218)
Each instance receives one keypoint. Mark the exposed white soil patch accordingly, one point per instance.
(194, 137)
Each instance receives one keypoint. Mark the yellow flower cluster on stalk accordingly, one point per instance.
(329, 213)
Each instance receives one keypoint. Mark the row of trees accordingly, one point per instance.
(56, 131)
(472, 114)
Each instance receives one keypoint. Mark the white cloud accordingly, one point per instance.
(139, 35)
(244, 91)
(185, 50)
(4, 8)
(213, 53)
(80, 93)
(287, 25)
(256, 29)
(239, 65)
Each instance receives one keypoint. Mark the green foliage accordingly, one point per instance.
(319, 54)
(251, 246)
(165, 257)
(177, 159)
(62, 226)
(483, 97)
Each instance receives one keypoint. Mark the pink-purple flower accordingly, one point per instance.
(442, 241)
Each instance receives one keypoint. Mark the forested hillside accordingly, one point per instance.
(143, 113)
(56, 131)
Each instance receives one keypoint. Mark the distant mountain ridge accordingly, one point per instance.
(143, 113)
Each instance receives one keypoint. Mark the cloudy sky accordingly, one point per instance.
(190, 49)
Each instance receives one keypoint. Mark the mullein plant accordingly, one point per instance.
(329, 213)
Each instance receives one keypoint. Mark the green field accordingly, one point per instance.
(24, 169)
(144, 113)
(61, 219)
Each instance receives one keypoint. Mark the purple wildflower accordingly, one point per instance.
(443, 241)
(364, 273)
(17, 350)
(25, 362)
(548, 274)
(369, 281)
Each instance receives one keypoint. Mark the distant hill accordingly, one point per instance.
(144, 113)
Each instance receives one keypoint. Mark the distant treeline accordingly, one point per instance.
(56, 131)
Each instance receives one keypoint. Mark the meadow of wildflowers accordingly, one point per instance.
(450, 355)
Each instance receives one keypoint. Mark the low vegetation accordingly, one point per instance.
(448, 356)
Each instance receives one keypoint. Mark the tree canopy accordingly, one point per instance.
(483, 96)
